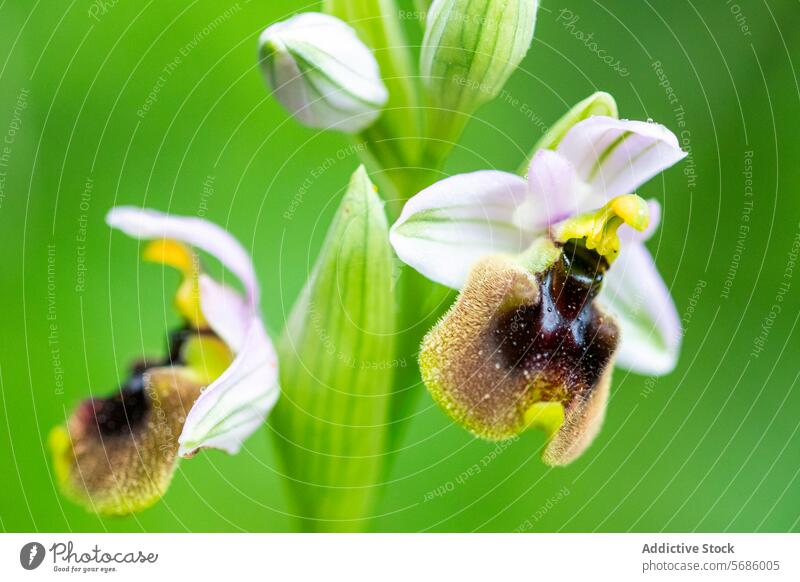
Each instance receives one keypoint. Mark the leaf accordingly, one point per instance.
(337, 367)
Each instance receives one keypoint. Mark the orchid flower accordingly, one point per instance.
(556, 283)
(214, 389)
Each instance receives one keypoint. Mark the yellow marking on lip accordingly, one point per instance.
(187, 298)
(546, 416)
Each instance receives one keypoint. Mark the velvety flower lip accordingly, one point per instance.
(236, 403)
(449, 226)
(525, 349)
(213, 388)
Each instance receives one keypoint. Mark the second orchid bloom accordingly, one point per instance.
(556, 283)
(117, 454)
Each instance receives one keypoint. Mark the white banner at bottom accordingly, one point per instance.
(400, 557)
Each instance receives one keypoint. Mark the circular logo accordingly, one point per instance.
(31, 555)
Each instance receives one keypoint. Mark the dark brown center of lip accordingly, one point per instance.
(124, 411)
(563, 335)
(127, 410)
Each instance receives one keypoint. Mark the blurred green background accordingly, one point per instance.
(161, 104)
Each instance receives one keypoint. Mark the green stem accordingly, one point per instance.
(420, 301)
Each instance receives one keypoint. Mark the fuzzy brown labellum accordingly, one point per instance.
(117, 455)
(526, 347)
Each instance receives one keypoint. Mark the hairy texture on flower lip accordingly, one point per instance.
(240, 394)
(117, 455)
(515, 340)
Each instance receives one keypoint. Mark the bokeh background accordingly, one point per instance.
(162, 104)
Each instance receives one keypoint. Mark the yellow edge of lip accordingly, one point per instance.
(546, 416)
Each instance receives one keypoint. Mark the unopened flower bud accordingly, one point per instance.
(322, 73)
(471, 47)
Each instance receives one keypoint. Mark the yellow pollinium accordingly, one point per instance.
(599, 228)
(177, 255)
(207, 356)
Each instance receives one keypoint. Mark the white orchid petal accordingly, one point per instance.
(236, 404)
(555, 192)
(226, 312)
(616, 156)
(144, 223)
(636, 295)
(445, 228)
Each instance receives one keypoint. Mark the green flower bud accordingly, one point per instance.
(470, 49)
(599, 103)
(322, 73)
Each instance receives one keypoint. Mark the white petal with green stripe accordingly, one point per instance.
(337, 355)
(597, 104)
(445, 228)
(616, 156)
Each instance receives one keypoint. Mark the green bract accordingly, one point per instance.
(331, 423)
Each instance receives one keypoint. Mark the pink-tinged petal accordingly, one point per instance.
(637, 296)
(227, 313)
(555, 192)
(445, 228)
(236, 404)
(616, 156)
(144, 223)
